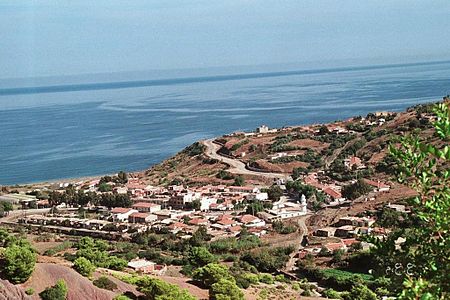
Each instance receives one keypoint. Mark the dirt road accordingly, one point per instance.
(237, 166)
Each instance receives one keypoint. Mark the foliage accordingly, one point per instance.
(58, 248)
(234, 245)
(226, 289)
(56, 292)
(282, 228)
(83, 266)
(356, 190)
(200, 256)
(18, 261)
(330, 293)
(195, 149)
(266, 278)
(156, 289)
(104, 282)
(222, 174)
(275, 192)
(29, 291)
(425, 167)
(360, 292)
(211, 273)
(268, 260)
(239, 181)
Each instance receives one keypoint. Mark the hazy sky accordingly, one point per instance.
(40, 38)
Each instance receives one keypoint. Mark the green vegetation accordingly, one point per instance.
(5, 208)
(356, 190)
(283, 228)
(226, 289)
(239, 144)
(268, 260)
(17, 257)
(104, 282)
(222, 174)
(239, 181)
(426, 252)
(59, 248)
(83, 266)
(29, 291)
(156, 289)
(274, 192)
(56, 292)
(195, 149)
(96, 252)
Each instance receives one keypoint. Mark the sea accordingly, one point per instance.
(92, 124)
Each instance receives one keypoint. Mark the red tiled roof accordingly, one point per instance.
(198, 221)
(226, 222)
(247, 219)
(177, 225)
(334, 194)
(334, 246)
(145, 204)
(139, 215)
(376, 184)
(120, 210)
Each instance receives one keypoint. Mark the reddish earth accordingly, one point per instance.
(80, 287)
(9, 291)
(310, 144)
(280, 168)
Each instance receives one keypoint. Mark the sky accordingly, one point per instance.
(55, 38)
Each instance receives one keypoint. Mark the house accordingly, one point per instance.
(378, 185)
(252, 221)
(243, 189)
(262, 129)
(332, 247)
(333, 194)
(398, 208)
(121, 214)
(177, 227)
(139, 217)
(325, 232)
(142, 266)
(345, 231)
(205, 203)
(147, 207)
(198, 222)
(353, 162)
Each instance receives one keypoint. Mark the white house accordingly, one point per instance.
(121, 214)
(147, 207)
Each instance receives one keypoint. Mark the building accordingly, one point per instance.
(378, 185)
(262, 129)
(252, 221)
(325, 232)
(142, 266)
(121, 214)
(147, 207)
(142, 218)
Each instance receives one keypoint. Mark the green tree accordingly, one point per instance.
(200, 256)
(104, 282)
(355, 190)
(212, 273)
(122, 177)
(361, 292)
(275, 192)
(239, 181)
(18, 262)
(83, 266)
(156, 289)
(425, 167)
(56, 292)
(226, 290)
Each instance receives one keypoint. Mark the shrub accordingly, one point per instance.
(18, 262)
(56, 292)
(226, 289)
(266, 278)
(212, 273)
(29, 291)
(104, 282)
(83, 266)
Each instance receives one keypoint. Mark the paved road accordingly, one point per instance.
(236, 166)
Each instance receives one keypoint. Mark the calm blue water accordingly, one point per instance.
(71, 127)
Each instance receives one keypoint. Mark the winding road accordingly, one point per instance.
(237, 166)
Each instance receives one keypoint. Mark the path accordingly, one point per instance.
(303, 232)
(236, 166)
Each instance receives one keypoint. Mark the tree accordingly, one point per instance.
(424, 167)
(226, 290)
(356, 190)
(122, 177)
(361, 292)
(323, 130)
(83, 266)
(211, 273)
(7, 206)
(56, 292)
(239, 181)
(156, 289)
(18, 262)
(104, 187)
(200, 256)
(275, 193)
(104, 282)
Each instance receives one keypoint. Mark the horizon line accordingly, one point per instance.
(197, 79)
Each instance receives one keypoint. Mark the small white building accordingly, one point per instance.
(121, 214)
(147, 207)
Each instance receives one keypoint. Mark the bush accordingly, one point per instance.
(211, 273)
(157, 289)
(330, 293)
(29, 291)
(252, 278)
(226, 289)
(56, 292)
(104, 282)
(83, 266)
(266, 278)
(18, 262)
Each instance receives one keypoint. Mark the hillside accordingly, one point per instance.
(296, 150)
